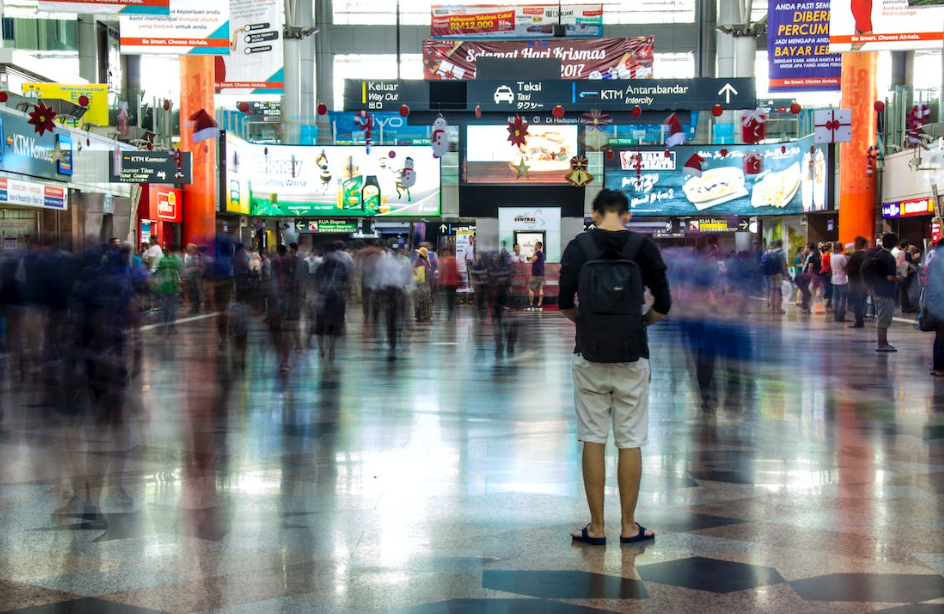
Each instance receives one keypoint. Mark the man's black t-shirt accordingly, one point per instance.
(649, 260)
(887, 267)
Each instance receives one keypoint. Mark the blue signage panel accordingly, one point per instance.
(26, 152)
(749, 180)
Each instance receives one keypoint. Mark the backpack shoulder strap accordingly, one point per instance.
(589, 247)
(633, 246)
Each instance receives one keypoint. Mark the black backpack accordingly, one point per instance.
(770, 264)
(610, 301)
(869, 272)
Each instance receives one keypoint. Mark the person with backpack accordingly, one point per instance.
(858, 293)
(332, 282)
(608, 268)
(879, 274)
(773, 265)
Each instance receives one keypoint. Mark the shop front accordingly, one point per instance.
(911, 219)
(162, 217)
(908, 205)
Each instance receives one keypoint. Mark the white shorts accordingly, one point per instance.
(612, 393)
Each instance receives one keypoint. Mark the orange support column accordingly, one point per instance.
(196, 92)
(856, 187)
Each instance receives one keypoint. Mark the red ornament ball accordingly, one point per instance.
(717, 110)
(3, 96)
(243, 107)
(637, 111)
(668, 154)
(404, 110)
(265, 151)
(391, 154)
(783, 149)
(322, 108)
(610, 154)
(166, 104)
(478, 111)
(879, 106)
(558, 112)
(88, 142)
(723, 152)
(795, 108)
(83, 101)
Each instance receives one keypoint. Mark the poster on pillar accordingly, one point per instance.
(255, 64)
(798, 48)
(193, 27)
(884, 25)
(106, 7)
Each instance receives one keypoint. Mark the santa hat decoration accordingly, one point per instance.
(203, 126)
(693, 166)
(674, 129)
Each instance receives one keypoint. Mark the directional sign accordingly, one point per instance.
(385, 95)
(518, 96)
(149, 167)
(663, 94)
(727, 90)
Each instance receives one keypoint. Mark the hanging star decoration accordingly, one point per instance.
(578, 174)
(41, 117)
(518, 132)
(521, 169)
(595, 128)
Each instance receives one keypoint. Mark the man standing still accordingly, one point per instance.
(610, 265)
(884, 278)
(536, 283)
(774, 267)
(838, 263)
(857, 290)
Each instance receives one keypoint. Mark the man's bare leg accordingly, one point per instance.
(629, 473)
(594, 483)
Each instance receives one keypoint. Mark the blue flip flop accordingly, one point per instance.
(639, 537)
(587, 539)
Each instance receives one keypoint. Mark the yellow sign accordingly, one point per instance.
(97, 94)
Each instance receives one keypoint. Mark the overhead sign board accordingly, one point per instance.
(150, 167)
(327, 226)
(604, 58)
(908, 208)
(524, 95)
(529, 21)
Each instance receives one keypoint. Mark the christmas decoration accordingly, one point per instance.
(391, 154)
(204, 127)
(783, 149)
(166, 104)
(717, 110)
(478, 111)
(404, 110)
(674, 129)
(879, 106)
(440, 138)
(124, 116)
(4, 96)
(41, 117)
(178, 158)
(693, 166)
(753, 163)
(636, 111)
(558, 112)
(832, 126)
(578, 174)
(521, 169)
(364, 122)
(723, 152)
(795, 108)
(753, 126)
(518, 132)
(871, 156)
(610, 154)
(83, 100)
(322, 108)
(637, 164)
(595, 128)
(920, 114)
(243, 107)
(407, 174)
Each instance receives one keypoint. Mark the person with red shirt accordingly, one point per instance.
(449, 279)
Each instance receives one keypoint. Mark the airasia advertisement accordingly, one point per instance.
(602, 58)
(531, 21)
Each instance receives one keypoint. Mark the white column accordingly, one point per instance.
(298, 102)
(88, 48)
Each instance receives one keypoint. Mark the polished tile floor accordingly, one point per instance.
(448, 480)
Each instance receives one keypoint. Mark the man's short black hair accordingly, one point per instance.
(889, 240)
(611, 201)
(538, 244)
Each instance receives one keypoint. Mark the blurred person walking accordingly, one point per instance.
(880, 274)
(422, 293)
(608, 267)
(332, 282)
(773, 265)
(167, 287)
(858, 293)
(536, 283)
(840, 283)
(934, 305)
(449, 279)
(193, 278)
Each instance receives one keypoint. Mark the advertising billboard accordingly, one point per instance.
(880, 25)
(545, 157)
(798, 49)
(193, 27)
(340, 181)
(32, 194)
(603, 58)
(508, 21)
(255, 64)
(782, 179)
(97, 94)
(908, 208)
(165, 204)
(26, 151)
(106, 7)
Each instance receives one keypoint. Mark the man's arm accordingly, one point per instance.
(571, 262)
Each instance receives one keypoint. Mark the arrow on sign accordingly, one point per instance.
(443, 228)
(744, 225)
(727, 90)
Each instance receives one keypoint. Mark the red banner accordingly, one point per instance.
(602, 58)
(522, 21)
